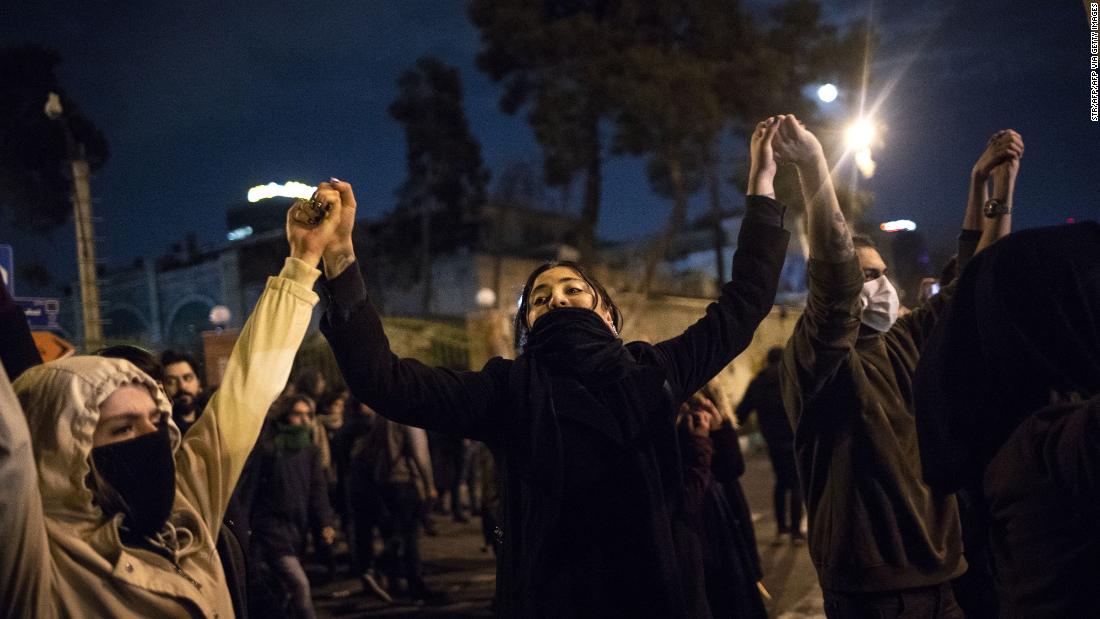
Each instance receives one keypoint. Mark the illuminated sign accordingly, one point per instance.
(290, 189)
(898, 226)
(239, 233)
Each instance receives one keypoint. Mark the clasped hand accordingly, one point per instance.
(331, 238)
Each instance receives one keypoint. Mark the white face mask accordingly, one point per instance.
(880, 304)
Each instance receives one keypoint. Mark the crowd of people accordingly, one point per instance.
(945, 454)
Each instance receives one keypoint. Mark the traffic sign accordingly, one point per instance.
(41, 312)
(52, 347)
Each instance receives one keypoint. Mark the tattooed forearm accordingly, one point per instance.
(830, 239)
(336, 263)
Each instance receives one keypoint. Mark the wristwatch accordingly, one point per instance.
(995, 207)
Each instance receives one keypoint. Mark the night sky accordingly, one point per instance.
(201, 100)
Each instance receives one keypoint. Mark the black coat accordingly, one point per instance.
(291, 499)
(579, 553)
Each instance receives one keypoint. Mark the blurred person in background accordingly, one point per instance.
(181, 375)
(765, 398)
(291, 499)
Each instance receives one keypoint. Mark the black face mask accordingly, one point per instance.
(143, 472)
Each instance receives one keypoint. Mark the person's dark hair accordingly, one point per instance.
(169, 357)
(326, 401)
(104, 494)
(863, 240)
(522, 328)
(306, 381)
(284, 406)
(143, 359)
(775, 354)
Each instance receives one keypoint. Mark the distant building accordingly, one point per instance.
(166, 302)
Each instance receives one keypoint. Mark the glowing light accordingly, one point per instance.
(827, 93)
(860, 134)
(898, 226)
(239, 233)
(486, 298)
(290, 189)
(220, 315)
(865, 163)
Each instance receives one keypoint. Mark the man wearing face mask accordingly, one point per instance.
(880, 539)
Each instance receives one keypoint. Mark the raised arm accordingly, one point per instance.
(215, 449)
(26, 571)
(825, 334)
(1000, 161)
(694, 357)
(404, 390)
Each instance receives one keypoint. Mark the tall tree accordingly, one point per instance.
(554, 57)
(34, 171)
(442, 156)
(672, 130)
(445, 171)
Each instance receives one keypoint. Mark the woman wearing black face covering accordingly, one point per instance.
(108, 511)
(581, 424)
(1008, 410)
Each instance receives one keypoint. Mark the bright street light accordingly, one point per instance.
(827, 93)
(860, 134)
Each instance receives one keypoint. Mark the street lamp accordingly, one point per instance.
(859, 136)
(82, 218)
(827, 93)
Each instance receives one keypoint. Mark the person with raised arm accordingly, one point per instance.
(879, 538)
(582, 425)
(112, 513)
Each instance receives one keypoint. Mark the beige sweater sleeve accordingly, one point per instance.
(215, 449)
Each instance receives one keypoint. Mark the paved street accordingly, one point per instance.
(455, 565)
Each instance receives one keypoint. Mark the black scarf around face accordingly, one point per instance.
(576, 342)
(142, 471)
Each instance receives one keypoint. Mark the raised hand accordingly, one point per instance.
(763, 165)
(308, 242)
(1005, 146)
(341, 252)
(794, 144)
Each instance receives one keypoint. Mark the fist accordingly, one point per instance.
(328, 534)
(794, 144)
(308, 243)
(1004, 147)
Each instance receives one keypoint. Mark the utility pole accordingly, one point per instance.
(85, 233)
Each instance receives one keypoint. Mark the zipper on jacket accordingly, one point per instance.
(179, 570)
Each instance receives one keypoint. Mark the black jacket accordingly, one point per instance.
(543, 569)
(873, 523)
(765, 396)
(291, 499)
